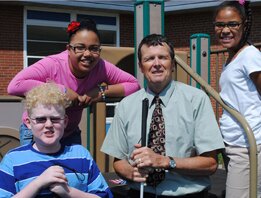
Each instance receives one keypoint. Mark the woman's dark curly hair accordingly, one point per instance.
(86, 24)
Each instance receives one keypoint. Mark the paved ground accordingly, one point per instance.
(217, 190)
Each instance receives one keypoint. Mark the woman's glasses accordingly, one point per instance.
(42, 120)
(93, 49)
(230, 25)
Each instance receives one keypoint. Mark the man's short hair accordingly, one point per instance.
(154, 40)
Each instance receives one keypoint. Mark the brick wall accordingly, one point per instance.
(127, 30)
(179, 28)
(11, 48)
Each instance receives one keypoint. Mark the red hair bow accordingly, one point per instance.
(73, 26)
(242, 2)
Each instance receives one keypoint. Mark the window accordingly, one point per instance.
(106, 26)
(45, 31)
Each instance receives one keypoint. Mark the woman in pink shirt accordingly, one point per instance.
(78, 71)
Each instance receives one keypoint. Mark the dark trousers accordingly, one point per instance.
(135, 194)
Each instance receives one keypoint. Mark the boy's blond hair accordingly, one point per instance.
(45, 94)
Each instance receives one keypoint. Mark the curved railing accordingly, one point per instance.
(251, 139)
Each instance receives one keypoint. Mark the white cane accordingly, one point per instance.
(145, 107)
(141, 189)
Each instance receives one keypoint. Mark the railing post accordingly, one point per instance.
(149, 18)
(99, 120)
(200, 57)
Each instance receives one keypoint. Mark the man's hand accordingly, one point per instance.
(129, 171)
(144, 161)
(145, 157)
(140, 174)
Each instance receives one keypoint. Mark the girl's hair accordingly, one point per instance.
(244, 10)
(45, 94)
(86, 24)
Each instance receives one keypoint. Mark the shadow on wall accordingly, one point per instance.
(123, 57)
(126, 62)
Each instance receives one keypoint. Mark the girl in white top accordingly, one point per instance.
(240, 85)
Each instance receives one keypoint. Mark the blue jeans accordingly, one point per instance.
(26, 136)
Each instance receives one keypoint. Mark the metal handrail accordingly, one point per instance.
(251, 138)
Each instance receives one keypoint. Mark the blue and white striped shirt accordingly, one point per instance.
(23, 164)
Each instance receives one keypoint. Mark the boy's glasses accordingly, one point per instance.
(93, 49)
(42, 120)
(230, 25)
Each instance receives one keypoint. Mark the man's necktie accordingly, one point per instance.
(156, 141)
